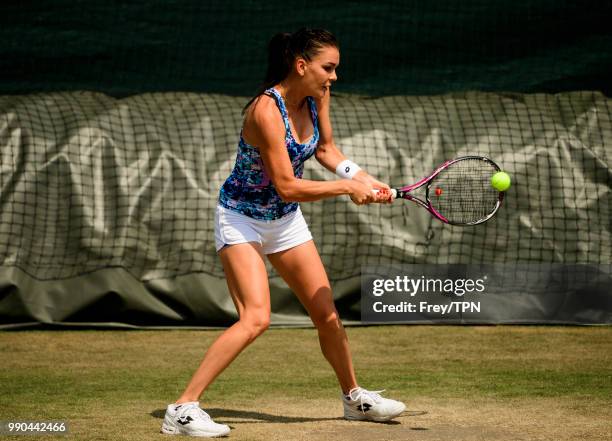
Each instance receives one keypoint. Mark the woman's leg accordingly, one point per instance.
(302, 269)
(247, 281)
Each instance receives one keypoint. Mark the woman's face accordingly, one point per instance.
(320, 72)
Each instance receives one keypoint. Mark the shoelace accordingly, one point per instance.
(186, 410)
(373, 395)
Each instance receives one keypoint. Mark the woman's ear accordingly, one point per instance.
(301, 66)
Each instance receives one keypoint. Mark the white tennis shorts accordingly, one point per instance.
(276, 235)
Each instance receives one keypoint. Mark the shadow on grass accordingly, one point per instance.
(251, 417)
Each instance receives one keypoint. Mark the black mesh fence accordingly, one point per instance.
(119, 123)
(90, 181)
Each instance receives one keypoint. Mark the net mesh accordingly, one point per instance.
(89, 181)
(128, 176)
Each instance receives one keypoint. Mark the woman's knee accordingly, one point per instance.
(255, 325)
(327, 321)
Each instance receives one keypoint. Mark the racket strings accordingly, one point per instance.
(463, 193)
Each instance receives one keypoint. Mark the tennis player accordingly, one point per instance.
(258, 215)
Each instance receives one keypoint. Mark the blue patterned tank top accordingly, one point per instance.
(248, 189)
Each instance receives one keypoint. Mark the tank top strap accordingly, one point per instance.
(281, 106)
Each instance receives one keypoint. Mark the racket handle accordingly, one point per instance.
(393, 192)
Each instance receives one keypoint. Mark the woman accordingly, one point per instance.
(258, 214)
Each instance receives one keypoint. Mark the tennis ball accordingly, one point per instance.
(501, 181)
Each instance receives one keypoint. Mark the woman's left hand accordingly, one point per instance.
(365, 178)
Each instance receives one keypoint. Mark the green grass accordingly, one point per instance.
(96, 380)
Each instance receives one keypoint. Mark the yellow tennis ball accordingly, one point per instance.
(501, 181)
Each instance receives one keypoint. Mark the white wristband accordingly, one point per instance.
(347, 169)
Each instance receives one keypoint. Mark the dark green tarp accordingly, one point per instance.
(387, 47)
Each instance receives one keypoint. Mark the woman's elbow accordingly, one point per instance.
(320, 153)
(287, 193)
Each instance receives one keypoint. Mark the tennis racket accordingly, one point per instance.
(458, 192)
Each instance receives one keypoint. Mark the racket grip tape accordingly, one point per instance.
(393, 192)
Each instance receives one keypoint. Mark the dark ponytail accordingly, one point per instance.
(284, 48)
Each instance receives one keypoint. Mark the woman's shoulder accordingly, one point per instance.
(262, 109)
(262, 115)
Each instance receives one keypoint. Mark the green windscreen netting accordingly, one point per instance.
(410, 47)
(108, 183)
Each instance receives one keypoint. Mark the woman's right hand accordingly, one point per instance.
(361, 193)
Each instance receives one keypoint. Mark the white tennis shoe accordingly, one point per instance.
(189, 419)
(361, 404)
